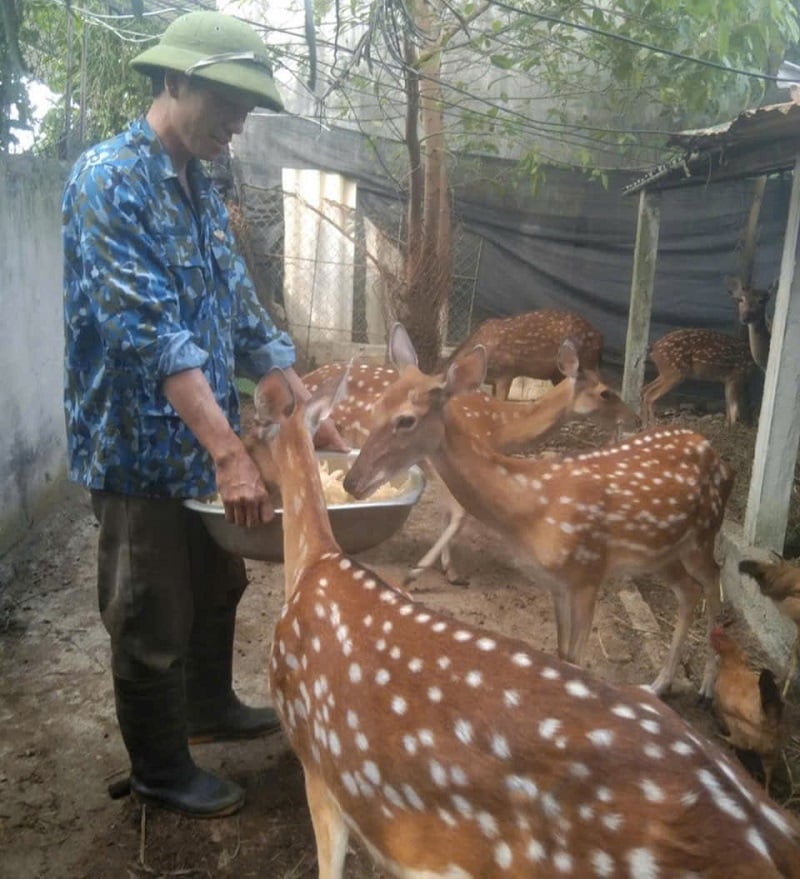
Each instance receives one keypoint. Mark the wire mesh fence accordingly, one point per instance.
(327, 272)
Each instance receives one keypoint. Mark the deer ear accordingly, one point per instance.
(401, 348)
(273, 397)
(733, 284)
(567, 360)
(324, 398)
(467, 372)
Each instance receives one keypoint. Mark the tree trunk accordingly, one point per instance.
(429, 269)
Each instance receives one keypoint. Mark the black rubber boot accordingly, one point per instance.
(214, 711)
(151, 714)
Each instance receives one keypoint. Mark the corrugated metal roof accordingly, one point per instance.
(763, 140)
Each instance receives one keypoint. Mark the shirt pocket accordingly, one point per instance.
(186, 266)
(222, 251)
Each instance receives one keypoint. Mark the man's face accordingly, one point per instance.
(206, 116)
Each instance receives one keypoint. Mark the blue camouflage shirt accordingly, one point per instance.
(152, 287)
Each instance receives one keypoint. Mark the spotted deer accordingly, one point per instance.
(652, 503)
(453, 752)
(751, 305)
(709, 355)
(353, 413)
(527, 344)
(506, 426)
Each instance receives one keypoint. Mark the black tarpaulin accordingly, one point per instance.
(567, 244)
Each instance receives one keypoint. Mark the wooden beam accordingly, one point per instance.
(641, 305)
(734, 162)
(750, 236)
(779, 423)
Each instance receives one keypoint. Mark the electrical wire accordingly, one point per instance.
(393, 18)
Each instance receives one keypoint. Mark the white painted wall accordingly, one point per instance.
(318, 210)
(32, 436)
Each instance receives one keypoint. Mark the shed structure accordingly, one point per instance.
(755, 144)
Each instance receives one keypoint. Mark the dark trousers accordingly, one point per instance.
(166, 590)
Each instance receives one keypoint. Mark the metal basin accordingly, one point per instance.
(356, 526)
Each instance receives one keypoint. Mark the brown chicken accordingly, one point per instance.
(779, 581)
(748, 704)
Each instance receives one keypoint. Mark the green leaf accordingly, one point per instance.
(502, 61)
(245, 386)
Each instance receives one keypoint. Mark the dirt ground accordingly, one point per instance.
(59, 746)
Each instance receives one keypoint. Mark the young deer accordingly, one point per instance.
(712, 356)
(453, 752)
(751, 304)
(507, 427)
(652, 503)
(528, 343)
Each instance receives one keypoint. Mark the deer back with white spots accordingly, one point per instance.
(352, 414)
(453, 752)
(652, 503)
(527, 344)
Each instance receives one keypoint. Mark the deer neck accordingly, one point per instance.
(470, 467)
(758, 335)
(307, 532)
(520, 423)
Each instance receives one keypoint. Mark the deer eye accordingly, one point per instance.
(607, 394)
(404, 423)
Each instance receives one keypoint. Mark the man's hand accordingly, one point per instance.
(242, 490)
(328, 437)
(238, 479)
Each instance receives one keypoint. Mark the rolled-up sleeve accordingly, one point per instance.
(180, 353)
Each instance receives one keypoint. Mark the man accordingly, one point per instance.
(159, 312)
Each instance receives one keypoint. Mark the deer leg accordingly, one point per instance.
(654, 391)
(456, 515)
(563, 611)
(582, 603)
(330, 830)
(702, 566)
(574, 608)
(450, 571)
(687, 591)
(502, 387)
(732, 398)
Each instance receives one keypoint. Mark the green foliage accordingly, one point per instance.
(577, 87)
(577, 78)
(114, 92)
(245, 386)
(14, 103)
(56, 42)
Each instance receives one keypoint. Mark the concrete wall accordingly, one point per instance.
(32, 440)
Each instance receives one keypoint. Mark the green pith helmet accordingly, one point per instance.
(215, 47)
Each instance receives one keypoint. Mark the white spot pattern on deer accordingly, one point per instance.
(468, 787)
(505, 425)
(599, 514)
